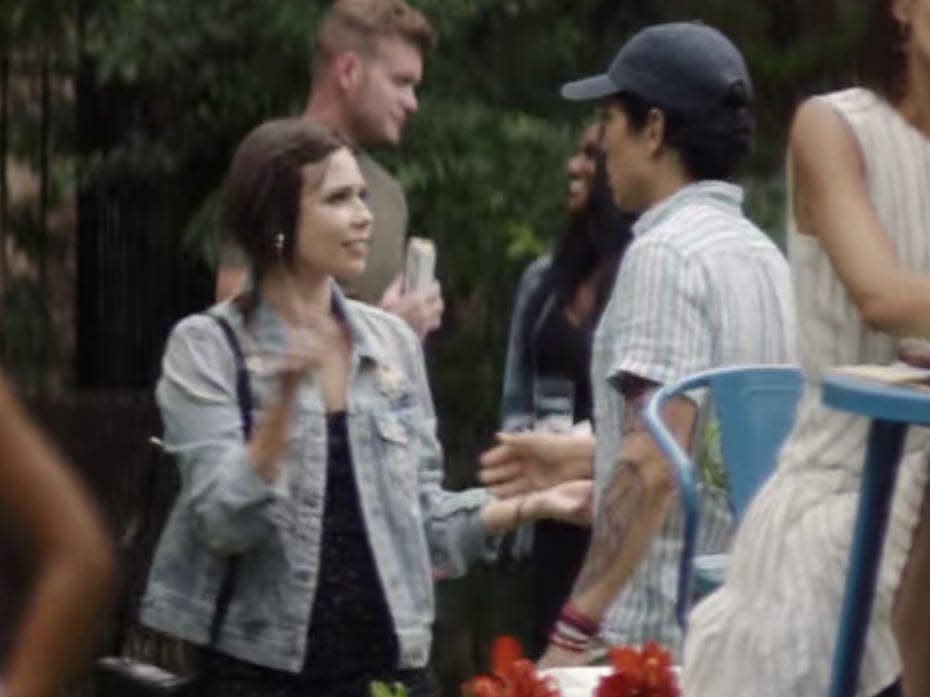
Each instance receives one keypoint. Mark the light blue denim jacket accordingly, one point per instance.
(224, 508)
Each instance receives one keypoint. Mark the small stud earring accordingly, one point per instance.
(279, 243)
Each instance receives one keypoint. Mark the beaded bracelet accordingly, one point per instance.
(573, 631)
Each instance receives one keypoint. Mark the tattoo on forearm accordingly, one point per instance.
(621, 503)
(625, 499)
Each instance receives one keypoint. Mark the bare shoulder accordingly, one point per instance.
(826, 168)
(821, 137)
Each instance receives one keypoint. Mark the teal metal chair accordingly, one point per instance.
(754, 406)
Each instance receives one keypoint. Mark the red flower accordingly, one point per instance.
(617, 685)
(646, 673)
(505, 652)
(512, 675)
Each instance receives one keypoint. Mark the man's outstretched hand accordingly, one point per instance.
(535, 460)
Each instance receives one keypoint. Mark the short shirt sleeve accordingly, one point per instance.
(660, 321)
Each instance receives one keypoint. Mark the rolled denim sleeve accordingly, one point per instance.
(231, 506)
(454, 530)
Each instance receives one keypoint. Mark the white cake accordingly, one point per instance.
(581, 681)
(577, 682)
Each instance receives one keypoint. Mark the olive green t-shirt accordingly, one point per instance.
(386, 254)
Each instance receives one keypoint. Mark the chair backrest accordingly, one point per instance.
(755, 407)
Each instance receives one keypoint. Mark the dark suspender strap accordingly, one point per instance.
(244, 397)
(243, 386)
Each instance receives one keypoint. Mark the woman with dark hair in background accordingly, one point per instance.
(547, 371)
(299, 550)
(859, 242)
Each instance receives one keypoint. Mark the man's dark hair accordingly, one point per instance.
(711, 145)
(261, 193)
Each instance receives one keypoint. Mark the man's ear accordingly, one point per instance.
(654, 130)
(348, 69)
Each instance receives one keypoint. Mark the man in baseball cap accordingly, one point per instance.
(686, 88)
(700, 287)
(685, 66)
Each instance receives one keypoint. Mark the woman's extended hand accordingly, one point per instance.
(568, 502)
(315, 342)
(535, 460)
(309, 345)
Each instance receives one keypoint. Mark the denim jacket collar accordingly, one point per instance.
(364, 344)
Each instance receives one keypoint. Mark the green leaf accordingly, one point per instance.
(380, 689)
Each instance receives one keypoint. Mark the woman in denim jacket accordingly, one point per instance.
(558, 304)
(330, 510)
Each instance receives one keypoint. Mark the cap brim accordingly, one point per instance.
(589, 88)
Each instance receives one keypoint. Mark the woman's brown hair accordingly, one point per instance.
(261, 193)
(882, 59)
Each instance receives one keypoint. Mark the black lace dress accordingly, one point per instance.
(563, 351)
(351, 640)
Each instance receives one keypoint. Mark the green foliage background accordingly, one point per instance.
(482, 161)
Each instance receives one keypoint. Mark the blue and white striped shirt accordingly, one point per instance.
(700, 287)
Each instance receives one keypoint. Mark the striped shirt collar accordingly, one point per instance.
(724, 195)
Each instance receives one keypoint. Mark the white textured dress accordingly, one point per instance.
(770, 630)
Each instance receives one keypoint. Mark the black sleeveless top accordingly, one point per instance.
(561, 350)
(351, 629)
(351, 640)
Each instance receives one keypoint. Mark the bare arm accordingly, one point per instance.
(74, 555)
(832, 203)
(635, 502)
(631, 509)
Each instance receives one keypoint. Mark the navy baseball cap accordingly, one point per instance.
(685, 66)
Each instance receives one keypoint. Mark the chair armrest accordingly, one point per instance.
(684, 472)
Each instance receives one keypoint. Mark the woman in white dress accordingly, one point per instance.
(859, 241)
